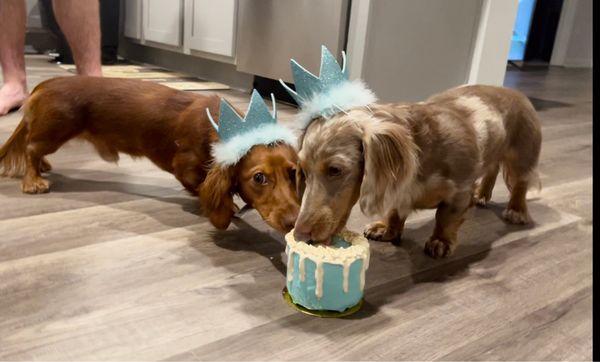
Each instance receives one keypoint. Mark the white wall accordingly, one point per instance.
(409, 50)
(490, 54)
(573, 46)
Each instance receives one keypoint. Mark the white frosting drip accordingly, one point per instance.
(358, 250)
(319, 279)
(346, 274)
(362, 280)
(290, 266)
(301, 266)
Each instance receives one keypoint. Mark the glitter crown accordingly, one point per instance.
(307, 84)
(329, 93)
(237, 134)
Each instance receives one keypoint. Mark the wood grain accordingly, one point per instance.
(116, 264)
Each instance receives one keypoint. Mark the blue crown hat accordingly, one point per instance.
(330, 93)
(238, 135)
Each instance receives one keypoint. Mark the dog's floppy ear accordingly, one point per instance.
(390, 162)
(300, 181)
(216, 196)
(300, 177)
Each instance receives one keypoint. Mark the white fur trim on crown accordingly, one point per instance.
(343, 97)
(230, 152)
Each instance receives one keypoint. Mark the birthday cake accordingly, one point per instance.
(328, 277)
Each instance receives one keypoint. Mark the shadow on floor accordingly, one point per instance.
(394, 269)
(544, 104)
(114, 192)
(476, 239)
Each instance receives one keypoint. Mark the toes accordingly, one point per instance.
(437, 248)
(375, 231)
(380, 232)
(36, 187)
(516, 217)
(480, 201)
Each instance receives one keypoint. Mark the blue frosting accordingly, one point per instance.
(333, 298)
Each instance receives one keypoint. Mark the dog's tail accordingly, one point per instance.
(12, 153)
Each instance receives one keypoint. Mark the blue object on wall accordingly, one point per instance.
(521, 30)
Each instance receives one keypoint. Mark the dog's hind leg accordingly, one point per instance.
(33, 182)
(518, 180)
(516, 211)
(483, 192)
(45, 165)
(519, 164)
(520, 174)
(43, 139)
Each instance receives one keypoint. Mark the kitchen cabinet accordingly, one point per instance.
(210, 26)
(163, 21)
(205, 28)
(273, 31)
(133, 19)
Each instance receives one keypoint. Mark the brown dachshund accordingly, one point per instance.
(145, 119)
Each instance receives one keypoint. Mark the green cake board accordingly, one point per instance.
(320, 313)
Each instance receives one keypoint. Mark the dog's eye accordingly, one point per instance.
(260, 178)
(333, 171)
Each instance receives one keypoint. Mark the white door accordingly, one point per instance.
(133, 19)
(163, 21)
(212, 26)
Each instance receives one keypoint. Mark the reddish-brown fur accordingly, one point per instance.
(145, 119)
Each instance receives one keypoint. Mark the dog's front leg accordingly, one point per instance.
(448, 218)
(388, 229)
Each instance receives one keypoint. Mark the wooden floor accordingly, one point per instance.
(116, 264)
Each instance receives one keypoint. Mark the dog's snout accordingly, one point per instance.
(302, 231)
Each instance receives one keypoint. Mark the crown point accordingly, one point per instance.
(306, 83)
(344, 65)
(290, 91)
(330, 73)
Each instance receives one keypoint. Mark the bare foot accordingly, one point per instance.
(12, 95)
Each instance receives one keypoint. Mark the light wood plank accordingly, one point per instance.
(116, 264)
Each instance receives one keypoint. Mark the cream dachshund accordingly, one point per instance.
(396, 158)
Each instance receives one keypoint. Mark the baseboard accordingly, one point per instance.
(200, 67)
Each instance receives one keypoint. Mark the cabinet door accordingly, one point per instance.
(163, 21)
(270, 32)
(213, 26)
(133, 19)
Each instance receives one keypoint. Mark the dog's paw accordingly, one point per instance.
(480, 201)
(381, 232)
(36, 186)
(437, 248)
(516, 217)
